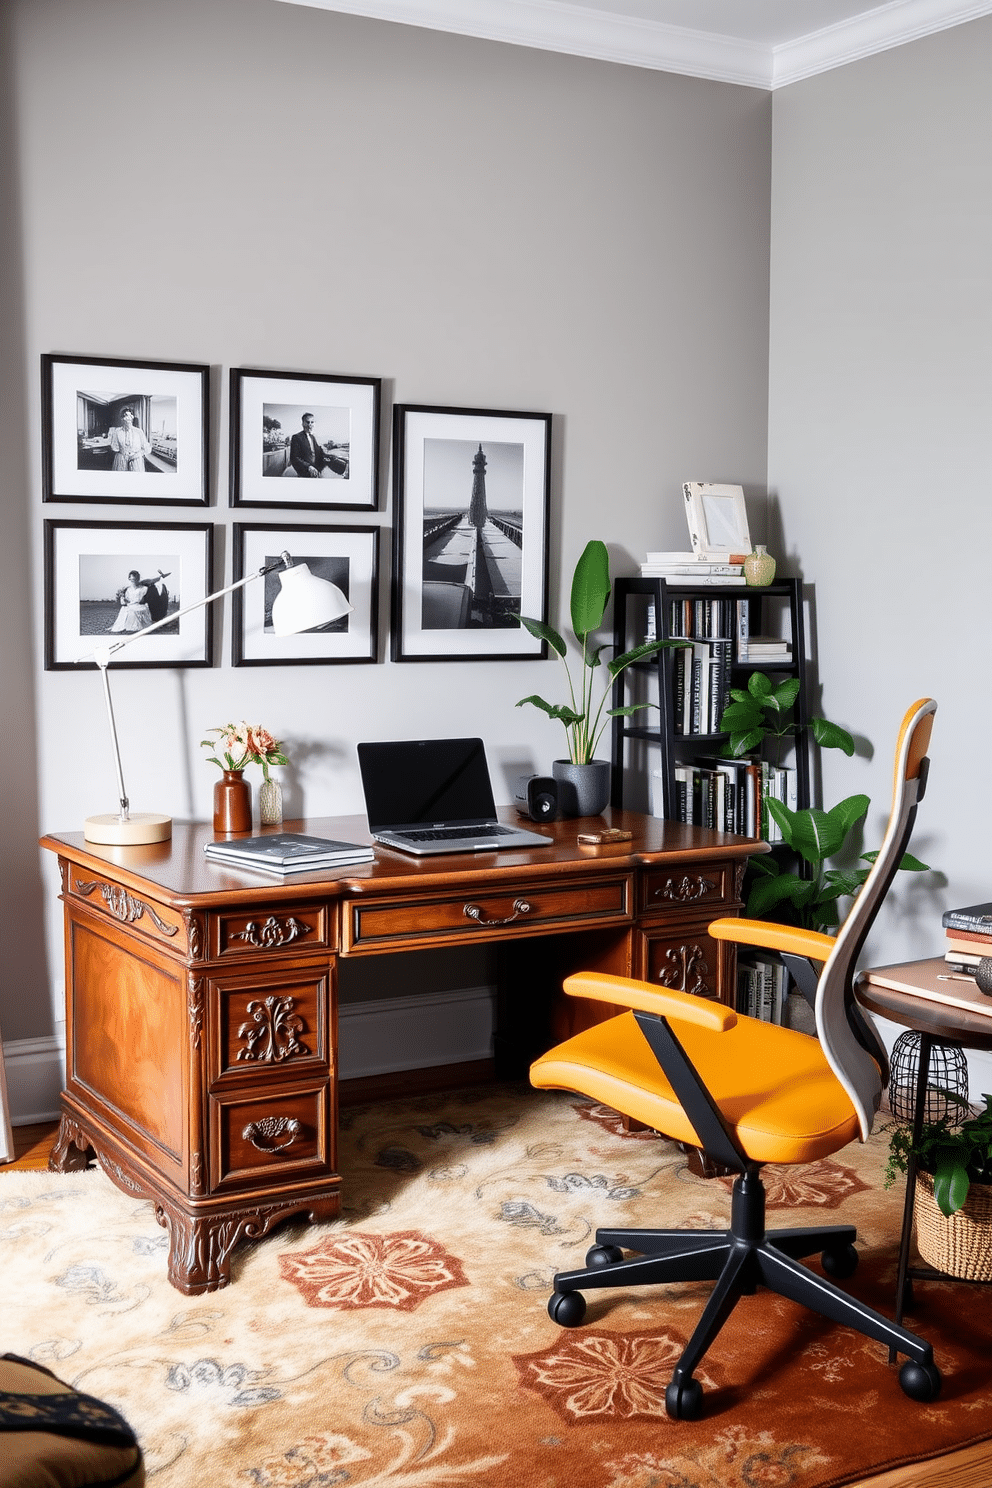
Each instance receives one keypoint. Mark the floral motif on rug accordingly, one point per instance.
(590, 1374)
(359, 1270)
(826, 1184)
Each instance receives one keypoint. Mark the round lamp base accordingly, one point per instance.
(141, 826)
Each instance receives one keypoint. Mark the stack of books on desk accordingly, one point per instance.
(969, 936)
(283, 853)
(687, 569)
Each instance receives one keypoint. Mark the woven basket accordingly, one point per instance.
(959, 1246)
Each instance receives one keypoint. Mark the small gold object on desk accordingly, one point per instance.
(615, 837)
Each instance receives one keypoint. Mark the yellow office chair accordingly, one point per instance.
(748, 1093)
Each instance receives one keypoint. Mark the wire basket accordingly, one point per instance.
(959, 1246)
(947, 1077)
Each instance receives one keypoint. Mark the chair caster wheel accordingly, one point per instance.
(840, 1263)
(920, 1381)
(603, 1255)
(567, 1308)
(683, 1402)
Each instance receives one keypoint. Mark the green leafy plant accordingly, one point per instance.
(584, 716)
(956, 1155)
(755, 714)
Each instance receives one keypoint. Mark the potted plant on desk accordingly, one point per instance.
(953, 1199)
(583, 780)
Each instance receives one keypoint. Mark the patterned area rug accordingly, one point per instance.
(407, 1345)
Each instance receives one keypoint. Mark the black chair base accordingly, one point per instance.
(739, 1260)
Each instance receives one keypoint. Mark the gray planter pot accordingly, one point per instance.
(583, 790)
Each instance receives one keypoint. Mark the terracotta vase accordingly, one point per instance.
(232, 803)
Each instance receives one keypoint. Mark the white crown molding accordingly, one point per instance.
(555, 25)
(578, 31)
(878, 30)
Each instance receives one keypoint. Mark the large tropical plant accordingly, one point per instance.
(585, 714)
(761, 712)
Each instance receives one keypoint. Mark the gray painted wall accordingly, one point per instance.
(246, 183)
(880, 456)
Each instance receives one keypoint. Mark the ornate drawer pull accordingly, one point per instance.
(520, 907)
(272, 1133)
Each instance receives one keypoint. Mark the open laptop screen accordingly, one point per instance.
(425, 781)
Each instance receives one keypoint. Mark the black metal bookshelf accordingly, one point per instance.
(631, 597)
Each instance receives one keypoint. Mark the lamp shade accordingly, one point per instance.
(305, 601)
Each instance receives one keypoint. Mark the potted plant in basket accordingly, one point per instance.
(953, 1201)
(584, 781)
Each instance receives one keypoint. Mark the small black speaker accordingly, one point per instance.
(537, 797)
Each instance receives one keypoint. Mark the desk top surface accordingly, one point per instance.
(924, 995)
(179, 870)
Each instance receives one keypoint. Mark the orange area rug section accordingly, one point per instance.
(407, 1344)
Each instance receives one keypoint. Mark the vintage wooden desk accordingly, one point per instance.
(201, 1015)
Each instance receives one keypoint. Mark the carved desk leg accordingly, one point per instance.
(72, 1152)
(200, 1247)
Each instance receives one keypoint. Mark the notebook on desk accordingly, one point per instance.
(426, 796)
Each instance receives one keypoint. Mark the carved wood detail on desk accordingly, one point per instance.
(686, 970)
(685, 890)
(200, 1247)
(72, 1152)
(270, 1035)
(194, 934)
(272, 933)
(123, 905)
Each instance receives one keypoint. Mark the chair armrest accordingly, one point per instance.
(647, 998)
(773, 937)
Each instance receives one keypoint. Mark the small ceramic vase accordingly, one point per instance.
(270, 803)
(232, 803)
(759, 567)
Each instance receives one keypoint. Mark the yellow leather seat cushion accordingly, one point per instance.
(773, 1085)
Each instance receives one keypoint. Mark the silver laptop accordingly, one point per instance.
(428, 796)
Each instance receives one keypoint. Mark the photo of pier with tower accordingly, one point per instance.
(473, 534)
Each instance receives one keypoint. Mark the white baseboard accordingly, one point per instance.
(35, 1070)
(390, 1034)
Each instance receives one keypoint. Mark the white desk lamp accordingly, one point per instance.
(303, 602)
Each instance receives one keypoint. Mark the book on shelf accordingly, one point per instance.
(287, 852)
(699, 581)
(701, 686)
(761, 988)
(765, 648)
(975, 917)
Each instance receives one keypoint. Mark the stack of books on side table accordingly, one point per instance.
(284, 853)
(688, 570)
(969, 936)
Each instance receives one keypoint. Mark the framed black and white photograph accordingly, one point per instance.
(107, 580)
(347, 557)
(127, 431)
(304, 439)
(470, 533)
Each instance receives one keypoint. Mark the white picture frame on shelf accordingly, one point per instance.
(717, 520)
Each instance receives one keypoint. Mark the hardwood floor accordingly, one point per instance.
(969, 1468)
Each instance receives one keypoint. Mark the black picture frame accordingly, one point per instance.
(87, 571)
(347, 556)
(457, 598)
(268, 444)
(163, 457)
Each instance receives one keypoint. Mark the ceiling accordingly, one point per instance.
(758, 43)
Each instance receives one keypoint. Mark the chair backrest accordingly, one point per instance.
(837, 1017)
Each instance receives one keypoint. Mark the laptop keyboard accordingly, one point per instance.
(455, 834)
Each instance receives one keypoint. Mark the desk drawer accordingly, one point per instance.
(518, 910)
(710, 886)
(271, 1137)
(268, 929)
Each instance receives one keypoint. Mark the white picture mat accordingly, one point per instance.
(532, 434)
(359, 398)
(185, 483)
(357, 641)
(72, 543)
(717, 519)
